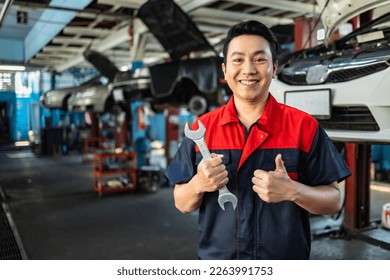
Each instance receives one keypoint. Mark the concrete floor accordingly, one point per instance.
(57, 216)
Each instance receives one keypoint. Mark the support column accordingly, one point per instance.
(121, 131)
(171, 132)
(95, 131)
(357, 187)
(303, 27)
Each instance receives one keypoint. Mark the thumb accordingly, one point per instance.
(279, 164)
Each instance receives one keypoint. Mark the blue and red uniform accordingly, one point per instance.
(256, 229)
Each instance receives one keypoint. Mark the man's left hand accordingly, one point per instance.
(273, 186)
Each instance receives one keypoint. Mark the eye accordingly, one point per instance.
(237, 60)
(260, 59)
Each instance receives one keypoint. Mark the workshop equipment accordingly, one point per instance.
(198, 137)
(386, 215)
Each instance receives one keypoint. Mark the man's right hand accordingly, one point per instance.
(211, 174)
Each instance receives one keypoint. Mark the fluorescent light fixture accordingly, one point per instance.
(22, 143)
(12, 68)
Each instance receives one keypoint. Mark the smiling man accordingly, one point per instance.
(277, 160)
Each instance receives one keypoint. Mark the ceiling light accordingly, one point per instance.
(12, 68)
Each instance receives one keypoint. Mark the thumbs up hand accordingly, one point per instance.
(273, 186)
(280, 164)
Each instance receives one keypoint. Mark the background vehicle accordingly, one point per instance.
(196, 83)
(96, 98)
(92, 99)
(58, 98)
(345, 84)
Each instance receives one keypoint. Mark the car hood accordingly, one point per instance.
(173, 28)
(105, 66)
(338, 12)
(364, 51)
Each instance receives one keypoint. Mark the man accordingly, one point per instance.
(276, 159)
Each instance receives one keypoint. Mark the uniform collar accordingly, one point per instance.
(270, 119)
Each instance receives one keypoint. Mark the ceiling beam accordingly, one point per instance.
(46, 61)
(62, 49)
(114, 39)
(193, 5)
(54, 54)
(133, 4)
(71, 40)
(284, 5)
(237, 16)
(87, 31)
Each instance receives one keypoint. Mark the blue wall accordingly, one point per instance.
(22, 105)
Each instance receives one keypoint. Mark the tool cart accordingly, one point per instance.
(113, 172)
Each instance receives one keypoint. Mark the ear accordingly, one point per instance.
(275, 68)
(223, 70)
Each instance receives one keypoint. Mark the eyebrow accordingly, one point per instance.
(255, 53)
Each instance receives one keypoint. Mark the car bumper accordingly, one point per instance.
(369, 92)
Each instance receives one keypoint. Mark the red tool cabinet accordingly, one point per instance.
(114, 172)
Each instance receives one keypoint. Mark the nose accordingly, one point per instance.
(249, 68)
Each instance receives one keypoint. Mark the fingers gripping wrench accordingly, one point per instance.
(198, 137)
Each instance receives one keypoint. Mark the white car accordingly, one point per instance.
(345, 85)
(58, 98)
(97, 99)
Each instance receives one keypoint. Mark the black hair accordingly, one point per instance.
(251, 27)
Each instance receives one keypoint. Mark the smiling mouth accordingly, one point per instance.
(249, 82)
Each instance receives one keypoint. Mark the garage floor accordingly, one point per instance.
(51, 212)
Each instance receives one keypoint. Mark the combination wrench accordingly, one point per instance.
(198, 137)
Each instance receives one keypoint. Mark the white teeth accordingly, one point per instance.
(248, 82)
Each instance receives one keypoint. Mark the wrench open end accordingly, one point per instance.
(222, 200)
(195, 134)
(226, 196)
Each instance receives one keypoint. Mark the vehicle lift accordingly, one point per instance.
(357, 222)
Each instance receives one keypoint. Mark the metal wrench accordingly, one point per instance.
(198, 137)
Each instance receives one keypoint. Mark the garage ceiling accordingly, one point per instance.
(54, 34)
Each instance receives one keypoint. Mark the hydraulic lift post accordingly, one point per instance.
(357, 187)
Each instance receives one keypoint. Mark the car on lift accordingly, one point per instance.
(195, 83)
(91, 99)
(93, 95)
(344, 84)
(96, 98)
(58, 98)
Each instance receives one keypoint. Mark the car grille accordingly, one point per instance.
(354, 73)
(350, 118)
(338, 76)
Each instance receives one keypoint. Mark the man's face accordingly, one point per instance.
(249, 68)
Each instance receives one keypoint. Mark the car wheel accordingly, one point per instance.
(197, 105)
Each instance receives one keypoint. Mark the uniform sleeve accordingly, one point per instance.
(182, 167)
(324, 164)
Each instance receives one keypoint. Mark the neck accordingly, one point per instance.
(249, 112)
